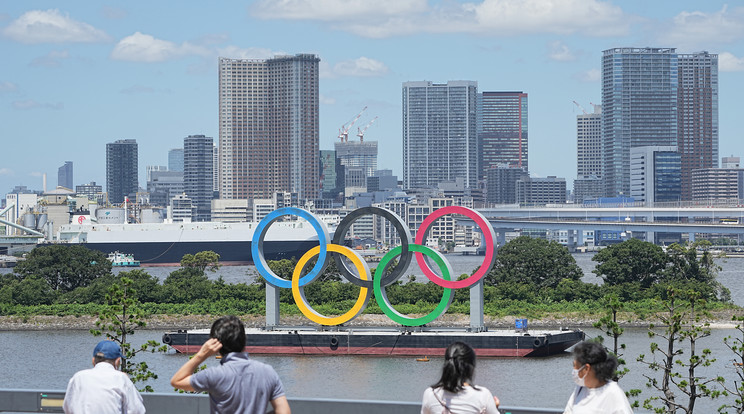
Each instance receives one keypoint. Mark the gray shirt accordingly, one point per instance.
(239, 385)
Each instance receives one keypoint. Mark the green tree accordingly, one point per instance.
(631, 261)
(118, 321)
(65, 267)
(608, 324)
(682, 324)
(736, 345)
(203, 261)
(533, 261)
(686, 266)
(146, 287)
(32, 290)
(186, 285)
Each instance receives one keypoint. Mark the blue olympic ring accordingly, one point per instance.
(257, 246)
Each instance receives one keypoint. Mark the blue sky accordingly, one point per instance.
(78, 74)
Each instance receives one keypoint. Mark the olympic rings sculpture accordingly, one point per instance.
(366, 281)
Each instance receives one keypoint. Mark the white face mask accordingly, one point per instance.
(575, 374)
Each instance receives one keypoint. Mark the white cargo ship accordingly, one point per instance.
(165, 244)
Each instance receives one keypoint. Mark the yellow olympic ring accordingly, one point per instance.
(298, 292)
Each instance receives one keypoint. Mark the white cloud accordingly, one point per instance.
(558, 51)
(727, 62)
(335, 10)
(360, 67)
(141, 47)
(325, 71)
(32, 104)
(326, 100)
(6, 171)
(589, 76)
(52, 59)
(8, 87)
(234, 52)
(698, 29)
(486, 17)
(51, 26)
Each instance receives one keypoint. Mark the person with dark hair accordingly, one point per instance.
(596, 392)
(103, 389)
(239, 384)
(455, 391)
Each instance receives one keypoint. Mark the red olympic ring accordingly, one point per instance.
(489, 237)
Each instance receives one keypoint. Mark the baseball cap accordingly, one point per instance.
(107, 350)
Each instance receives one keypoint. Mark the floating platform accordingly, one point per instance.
(387, 342)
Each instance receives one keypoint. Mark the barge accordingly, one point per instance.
(387, 342)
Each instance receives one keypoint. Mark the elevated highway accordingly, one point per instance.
(687, 221)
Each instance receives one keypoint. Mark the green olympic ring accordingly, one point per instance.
(381, 295)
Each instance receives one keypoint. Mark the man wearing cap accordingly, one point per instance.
(103, 389)
(239, 385)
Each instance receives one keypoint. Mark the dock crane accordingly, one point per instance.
(361, 131)
(343, 133)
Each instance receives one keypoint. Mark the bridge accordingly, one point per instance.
(664, 218)
(50, 401)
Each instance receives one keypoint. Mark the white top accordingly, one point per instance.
(468, 400)
(607, 399)
(102, 390)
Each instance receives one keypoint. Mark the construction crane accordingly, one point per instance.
(581, 107)
(343, 133)
(361, 131)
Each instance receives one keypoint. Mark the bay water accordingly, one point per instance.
(47, 359)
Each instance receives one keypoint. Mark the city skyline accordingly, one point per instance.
(89, 74)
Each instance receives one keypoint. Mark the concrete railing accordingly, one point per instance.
(35, 401)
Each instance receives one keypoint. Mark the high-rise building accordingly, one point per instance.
(121, 170)
(718, 184)
(197, 174)
(358, 154)
(589, 144)
(269, 131)
(730, 162)
(175, 159)
(149, 169)
(588, 183)
(181, 209)
(215, 171)
(501, 184)
(439, 133)
(657, 97)
(331, 174)
(655, 174)
(502, 130)
(547, 190)
(639, 108)
(64, 175)
(92, 190)
(163, 186)
(697, 117)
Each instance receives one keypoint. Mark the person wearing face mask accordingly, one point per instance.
(103, 389)
(596, 392)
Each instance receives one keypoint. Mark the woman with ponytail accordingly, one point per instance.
(455, 392)
(596, 392)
